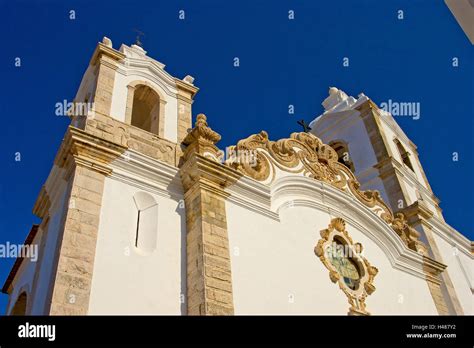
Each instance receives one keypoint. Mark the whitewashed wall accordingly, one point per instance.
(275, 270)
(23, 282)
(460, 268)
(126, 280)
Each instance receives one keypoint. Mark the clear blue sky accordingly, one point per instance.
(282, 62)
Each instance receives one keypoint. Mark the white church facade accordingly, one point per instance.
(142, 213)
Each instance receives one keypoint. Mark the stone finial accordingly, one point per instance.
(106, 41)
(189, 79)
(202, 139)
(333, 90)
(202, 132)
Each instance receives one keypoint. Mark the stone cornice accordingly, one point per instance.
(252, 195)
(433, 269)
(418, 210)
(354, 212)
(88, 150)
(147, 173)
(42, 204)
(199, 168)
(188, 91)
(451, 236)
(148, 69)
(303, 154)
(103, 50)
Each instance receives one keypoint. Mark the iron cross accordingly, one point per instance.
(139, 34)
(306, 127)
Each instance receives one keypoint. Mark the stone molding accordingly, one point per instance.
(306, 155)
(85, 159)
(324, 197)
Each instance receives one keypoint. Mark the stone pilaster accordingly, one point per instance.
(443, 293)
(433, 270)
(106, 58)
(209, 279)
(186, 93)
(85, 159)
(393, 184)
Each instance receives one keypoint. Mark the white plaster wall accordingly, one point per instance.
(119, 97)
(274, 262)
(460, 269)
(412, 196)
(47, 260)
(24, 280)
(127, 281)
(171, 119)
(397, 292)
(88, 84)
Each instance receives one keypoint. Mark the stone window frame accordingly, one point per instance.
(144, 201)
(356, 297)
(404, 154)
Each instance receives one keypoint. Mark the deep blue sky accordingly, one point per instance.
(282, 62)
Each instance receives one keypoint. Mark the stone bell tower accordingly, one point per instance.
(370, 142)
(129, 86)
(111, 206)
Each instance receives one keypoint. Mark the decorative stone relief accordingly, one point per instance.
(306, 154)
(347, 267)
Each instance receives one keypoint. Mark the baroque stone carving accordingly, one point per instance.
(306, 154)
(202, 139)
(356, 292)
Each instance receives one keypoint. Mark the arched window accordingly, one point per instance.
(146, 109)
(20, 305)
(147, 222)
(404, 154)
(342, 153)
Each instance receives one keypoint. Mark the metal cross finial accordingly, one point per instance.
(139, 34)
(306, 127)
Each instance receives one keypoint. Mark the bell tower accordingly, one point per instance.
(132, 88)
(110, 207)
(370, 142)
